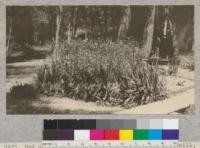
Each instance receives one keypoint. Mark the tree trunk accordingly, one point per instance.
(125, 22)
(105, 22)
(69, 33)
(75, 21)
(148, 33)
(8, 49)
(57, 51)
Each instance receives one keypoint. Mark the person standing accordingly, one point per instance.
(166, 45)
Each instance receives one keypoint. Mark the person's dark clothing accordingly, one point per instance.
(166, 44)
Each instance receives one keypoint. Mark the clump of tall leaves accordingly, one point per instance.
(23, 92)
(105, 72)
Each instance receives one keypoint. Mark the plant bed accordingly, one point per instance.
(103, 72)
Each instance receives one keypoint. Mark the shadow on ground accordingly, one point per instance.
(24, 54)
(24, 106)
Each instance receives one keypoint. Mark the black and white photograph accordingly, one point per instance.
(100, 59)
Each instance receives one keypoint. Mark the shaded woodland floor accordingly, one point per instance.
(25, 72)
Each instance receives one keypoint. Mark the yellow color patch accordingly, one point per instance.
(126, 134)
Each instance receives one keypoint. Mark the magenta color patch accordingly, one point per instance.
(96, 134)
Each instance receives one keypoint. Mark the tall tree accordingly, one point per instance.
(51, 14)
(124, 22)
(184, 27)
(105, 21)
(75, 16)
(8, 31)
(148, 32)
(57, 51)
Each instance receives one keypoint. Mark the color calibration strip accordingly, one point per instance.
(84, 130)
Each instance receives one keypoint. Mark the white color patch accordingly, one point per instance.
(81, 135)
(170, 124)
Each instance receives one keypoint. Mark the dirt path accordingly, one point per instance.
(62, 104)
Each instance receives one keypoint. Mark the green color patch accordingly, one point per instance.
(141, 134)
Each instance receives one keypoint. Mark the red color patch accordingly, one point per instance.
(111, 134)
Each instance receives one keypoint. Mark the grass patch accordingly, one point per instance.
(22, 92)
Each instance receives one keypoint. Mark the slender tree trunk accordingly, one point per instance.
(8, 49)
(125, 23)
(69, 33)
(75, 21)
(57, 50)
(92, 25)
(148, 33)
(106, 22)
(116, 22)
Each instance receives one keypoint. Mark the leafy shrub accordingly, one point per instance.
(23, 91)
(105, 72)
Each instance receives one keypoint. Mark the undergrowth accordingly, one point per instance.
(23, 92)
(105, 72)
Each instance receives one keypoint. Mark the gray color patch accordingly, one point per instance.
(102, 124)
(143, 123)
(155, 124)
(130, 124)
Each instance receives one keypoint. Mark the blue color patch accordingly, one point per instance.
(155, 135)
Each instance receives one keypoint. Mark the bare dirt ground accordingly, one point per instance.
(181, 87)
